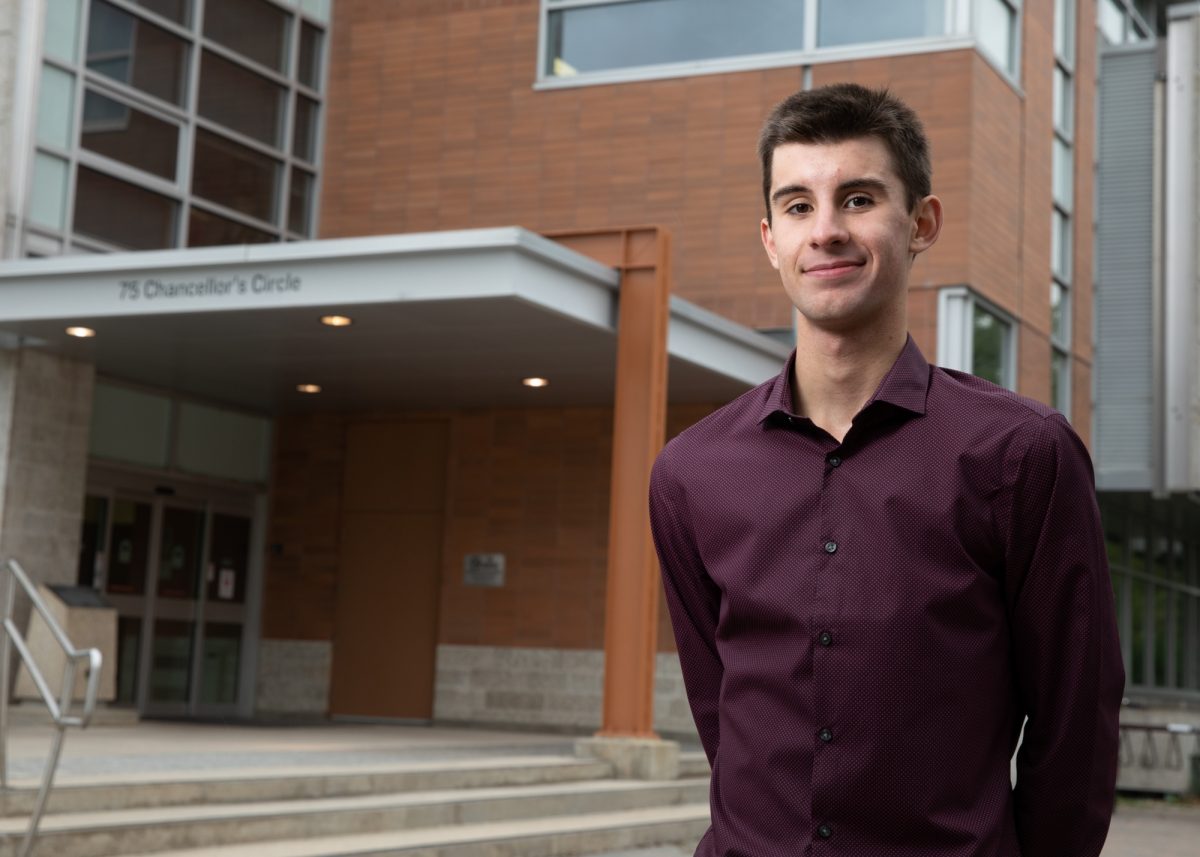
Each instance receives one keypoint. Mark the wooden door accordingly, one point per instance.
(385, 620)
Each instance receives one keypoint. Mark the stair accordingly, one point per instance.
(525, 806)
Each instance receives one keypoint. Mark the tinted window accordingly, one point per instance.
(594, 38)
(136, 53)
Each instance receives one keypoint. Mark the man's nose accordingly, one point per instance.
(828, 227)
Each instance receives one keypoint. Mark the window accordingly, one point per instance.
(136, 53)
(975, 336)
(1110, 18)
(1064, 185)
(1122, 21)
(602, 41)
(146, 221)
(996, 29)
(842, 23)
(1060, 245)
(1064, 102)
(1064, 29)
(206, 115)
(116, 130)
(253, 28)
(241, 100)
(646, 32)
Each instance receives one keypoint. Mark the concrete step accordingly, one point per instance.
(693, 764)
(212, 787)
(561, 836)
(136, 831)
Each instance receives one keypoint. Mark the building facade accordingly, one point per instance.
(377, 519)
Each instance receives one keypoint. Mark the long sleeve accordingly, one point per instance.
(693, 601)
(1066, 656)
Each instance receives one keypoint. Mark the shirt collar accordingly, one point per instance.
(905, 386)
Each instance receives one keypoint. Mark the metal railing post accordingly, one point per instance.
(60, 709)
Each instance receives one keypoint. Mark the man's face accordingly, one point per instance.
(841, 234)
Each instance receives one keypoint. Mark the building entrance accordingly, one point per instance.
(176, 565)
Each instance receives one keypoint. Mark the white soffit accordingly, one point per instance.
(445, 319)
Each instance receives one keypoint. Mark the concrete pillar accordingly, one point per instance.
(45, 412)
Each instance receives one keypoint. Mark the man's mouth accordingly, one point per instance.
(833, 269)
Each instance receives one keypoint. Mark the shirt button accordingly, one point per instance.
(835, 461)
(826, 734)
(825, 831)
(830, 547)
(825, 638)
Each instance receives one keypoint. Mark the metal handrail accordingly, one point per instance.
(60, 709)
(1174, 760)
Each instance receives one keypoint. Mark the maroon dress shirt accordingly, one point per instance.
(863, 627)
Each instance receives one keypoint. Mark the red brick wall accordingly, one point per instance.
(532, 484)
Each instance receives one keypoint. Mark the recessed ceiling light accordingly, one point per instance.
(81, 332)
(337, 320)
(535, 382)
(308, 388)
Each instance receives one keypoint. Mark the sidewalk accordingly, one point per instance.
(148, 750)
(1147, 829)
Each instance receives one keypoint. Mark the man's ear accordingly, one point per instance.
(768, 240)
(927, 225)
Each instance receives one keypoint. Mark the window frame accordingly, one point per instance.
(959, 19)
(956, 331)
(186, 118)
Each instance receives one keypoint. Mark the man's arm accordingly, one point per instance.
(693, 601)
(1066, 656)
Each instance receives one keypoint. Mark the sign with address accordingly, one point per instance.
(153, 288)
(483, 569)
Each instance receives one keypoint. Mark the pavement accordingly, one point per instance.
(147, 750)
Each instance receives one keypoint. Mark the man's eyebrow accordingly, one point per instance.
(866, 183)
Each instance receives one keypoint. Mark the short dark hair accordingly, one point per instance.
(845, 111)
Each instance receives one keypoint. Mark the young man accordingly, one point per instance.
(876, 569)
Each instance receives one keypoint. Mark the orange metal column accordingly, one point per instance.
(639, 428)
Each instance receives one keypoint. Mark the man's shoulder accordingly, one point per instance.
(988, 417)
(960, 395)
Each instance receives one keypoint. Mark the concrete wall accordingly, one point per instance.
(45, 411)
(293, 678)
(537, 687)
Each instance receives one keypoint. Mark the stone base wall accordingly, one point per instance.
(544, 688)
(293, 678)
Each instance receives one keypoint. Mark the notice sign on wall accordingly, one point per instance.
(483, 569)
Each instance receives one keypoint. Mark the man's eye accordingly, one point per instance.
(858, 201)
(799, 208)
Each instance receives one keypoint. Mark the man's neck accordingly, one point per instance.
(836, 374)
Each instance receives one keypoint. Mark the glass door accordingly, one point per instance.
(223, 613)
(177, 571)
(176, 602)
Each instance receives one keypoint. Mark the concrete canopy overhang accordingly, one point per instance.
(444, 319)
